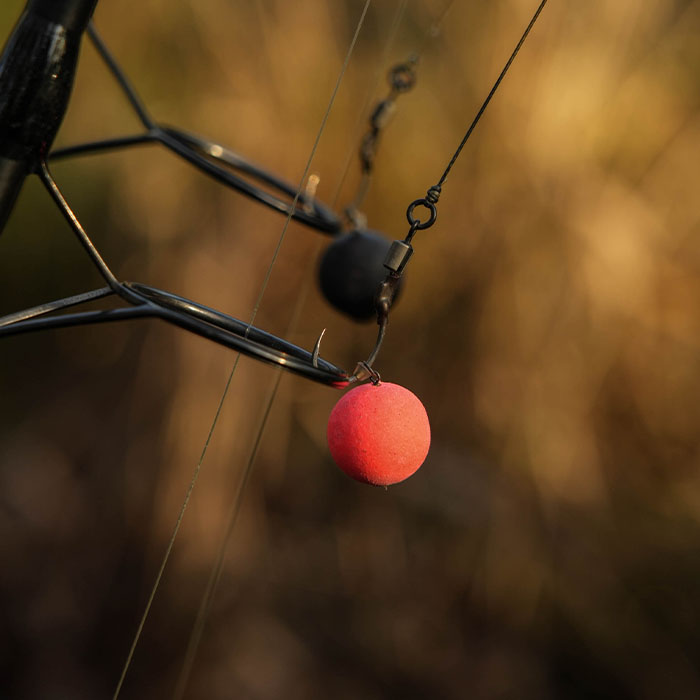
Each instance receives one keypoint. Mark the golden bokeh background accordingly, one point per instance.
(550, 545)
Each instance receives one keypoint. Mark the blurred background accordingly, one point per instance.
(550, 545)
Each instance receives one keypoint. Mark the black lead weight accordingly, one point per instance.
(351, 270)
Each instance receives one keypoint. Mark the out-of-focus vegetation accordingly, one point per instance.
(550, 546)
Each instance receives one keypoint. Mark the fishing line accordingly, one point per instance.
(495, 87)
(305, 174)
(173, 536)
(215, 575)
(256, 308)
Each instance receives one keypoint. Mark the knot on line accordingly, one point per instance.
(433, 194)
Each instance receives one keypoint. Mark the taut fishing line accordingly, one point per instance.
(256, 308)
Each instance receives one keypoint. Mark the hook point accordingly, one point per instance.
(317, 349)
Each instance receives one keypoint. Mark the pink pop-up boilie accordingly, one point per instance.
(379, 434)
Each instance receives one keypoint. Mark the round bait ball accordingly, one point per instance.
(351, 270)
(379, 434)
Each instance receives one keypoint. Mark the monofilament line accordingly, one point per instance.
(171, 541)
(197, 469)
(495, 87)
(215, 574)
(305, 174)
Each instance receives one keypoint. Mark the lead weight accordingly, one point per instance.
(351, 270)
